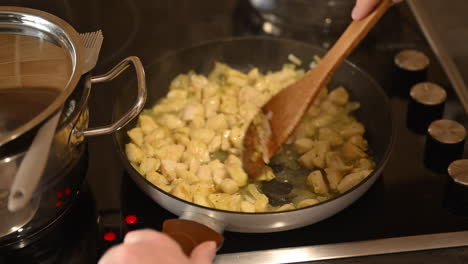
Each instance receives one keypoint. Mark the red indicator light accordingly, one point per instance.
(67, 191)
(58, 203)
(109, 236)
(131, 219)
(59, 194)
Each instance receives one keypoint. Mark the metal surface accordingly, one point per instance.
(428, 93)
(347, 250)
(458, 170)
(242, 54)
(447, 131)
(440, 46)
(412, 60)
(134, 110)
(40, 25)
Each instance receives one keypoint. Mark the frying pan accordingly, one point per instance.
(197, 223)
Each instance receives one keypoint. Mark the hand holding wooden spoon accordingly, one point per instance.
(279, 117)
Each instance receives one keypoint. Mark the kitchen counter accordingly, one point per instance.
(150, 29)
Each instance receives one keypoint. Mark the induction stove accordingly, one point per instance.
(409, 208)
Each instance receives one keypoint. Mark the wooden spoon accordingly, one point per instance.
(278, 118)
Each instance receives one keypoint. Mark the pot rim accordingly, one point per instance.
(379, 167)
(41, 21)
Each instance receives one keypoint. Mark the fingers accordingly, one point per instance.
(143, 247)
(204, 253)
(364, 7)
(148, 235)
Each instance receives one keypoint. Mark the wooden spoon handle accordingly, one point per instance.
(351, 37)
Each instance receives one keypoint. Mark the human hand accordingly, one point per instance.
(364, 7)
(149, 246)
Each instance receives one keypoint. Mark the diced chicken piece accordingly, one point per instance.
(198, 122)
(181, 139)
(303, 145)
(170, 152)
(334, 161)
(307, 202)
(363, 164)
(248, 111)
(224, 201)
(204, 135)
(178, 93)
(236, 137)
(202, 199)
(228, 105)
(148, 150)
(237, 174)
(229, 186)
(322, 120)
(233, 160)
(170, 121)
(247, 207)
(217, 123)
(334, 177)
(193, 110)
(316, 156)
(169, 167)
(314, 111)
(248, 95)
(136, 135)
(149, 164)
(158, 180)
(187, 176)
(212, 106)
(316, 181)
(359, 142)
(286, 207)
(354, 129)
(199, 150)
(198, 81)
(225, 143)
(147, 124)
(215, 144)
(155, 136)
(329, 108)
(330, 135)
(134, 153)
(339, 96)
(204, 174)
(266, 174)
(182, 191)
(210, 90)
(352, 152)
(352, 179)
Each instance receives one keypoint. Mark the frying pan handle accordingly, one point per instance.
(190, 234)
(137, 107)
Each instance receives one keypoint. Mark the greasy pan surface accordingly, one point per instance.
(266, 54)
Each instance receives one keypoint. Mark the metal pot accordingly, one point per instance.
(42, 72)
(266, 54)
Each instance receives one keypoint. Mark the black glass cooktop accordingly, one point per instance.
(407, 199)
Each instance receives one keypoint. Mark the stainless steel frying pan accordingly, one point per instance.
(266, 54)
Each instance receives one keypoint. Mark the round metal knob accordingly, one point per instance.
(410, 68)
(444, 144)
(458, 171)
(456, 195)
(427, 103)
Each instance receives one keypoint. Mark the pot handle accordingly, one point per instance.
(190, 234)
(137, 107)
